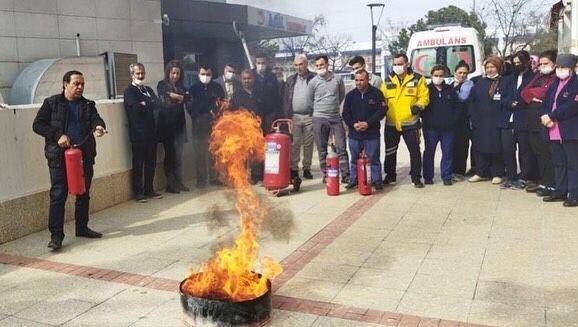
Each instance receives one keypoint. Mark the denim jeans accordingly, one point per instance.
(58, 196)
(432, 137)
(372, 150)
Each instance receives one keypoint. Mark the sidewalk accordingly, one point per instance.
(436, 256)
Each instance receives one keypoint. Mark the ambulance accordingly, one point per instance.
(446, 45)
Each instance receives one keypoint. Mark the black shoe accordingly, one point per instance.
(350, 185)
(417, 183)
(389, 180)
(570, 203)
(554, 198)
(429, 181)
(324, 180)
(140, 198)
(533, 188)
(55, 243)
(88, 233)
(471, 172)
(345, 179)
(447, 182)
(545, 191)
(154, 195)
(215, 182)
(307, 174)
(378, 186)
(172, 189)
(183, 188)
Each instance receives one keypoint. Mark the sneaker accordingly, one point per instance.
(477, 178)
(545, 191)
(88, 233)
(307, 174)
(389, 180)
(448, 182)
(350, 185)
(140, 198)
(505, 185)
(154, 195)
(55, 243)
(429, 181)
(417, 183)
(497, 180)
(533, 188)
(518, 185)
(458, 178)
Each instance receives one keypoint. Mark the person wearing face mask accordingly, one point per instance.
(533, 95)
(439, 124)
(325, 92)
(266, 83)
(141, 105)
(484, 107)
(559, 115)
(407, 95)
(229, 81)
(203, 109)
(357, 63)
(463, 132)
(514, 126)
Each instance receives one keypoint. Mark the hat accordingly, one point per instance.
(566, 60)
(497, 62)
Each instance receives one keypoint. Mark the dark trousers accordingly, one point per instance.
(371, 148)
(322, 129)
(180, 140)
(565, 158)
(541, 150)
(432, 137)
(461, 146)
(144, 157)
(489, 164)
(169, 166)
(411, 138)
(58, 196)
(518, 140)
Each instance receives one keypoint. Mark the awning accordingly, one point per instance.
(215, 20)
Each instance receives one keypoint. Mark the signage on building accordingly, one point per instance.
(442, 41)
(275, 20)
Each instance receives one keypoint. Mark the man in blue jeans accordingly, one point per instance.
(363, 109)
(64, 120)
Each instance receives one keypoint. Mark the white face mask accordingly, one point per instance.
(229, 75)
(261, 68)
(546, 70)
(437, 80)
(398, 70)
(562, 73)
(205, 79)
(493, 76)
(322, 72)
(137, 82)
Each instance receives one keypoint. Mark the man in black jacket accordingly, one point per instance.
(64, 120)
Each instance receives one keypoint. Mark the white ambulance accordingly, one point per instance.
(446, 45)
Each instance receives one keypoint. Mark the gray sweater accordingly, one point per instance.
(325, 96)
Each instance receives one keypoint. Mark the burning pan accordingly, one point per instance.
(199, 311)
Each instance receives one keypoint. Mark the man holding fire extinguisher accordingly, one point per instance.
(65, 120)
(363, 109)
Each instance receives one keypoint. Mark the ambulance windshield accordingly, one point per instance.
(423, 59)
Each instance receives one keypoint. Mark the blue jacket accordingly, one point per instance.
(510, 93)
(443, 110)
(368, 107)
(566, 113)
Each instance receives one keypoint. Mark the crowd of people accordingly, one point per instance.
(519, 114)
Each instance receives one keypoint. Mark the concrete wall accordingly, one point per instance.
(31, 30)
(24, 179)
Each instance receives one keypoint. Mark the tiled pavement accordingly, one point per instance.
(440, 256)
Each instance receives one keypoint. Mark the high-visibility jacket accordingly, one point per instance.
(401, 96)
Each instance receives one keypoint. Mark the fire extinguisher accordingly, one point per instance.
(278, 156)
(363, 174)
(332, 172)
(74, 171)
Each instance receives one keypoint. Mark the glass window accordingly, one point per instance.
(422, 60)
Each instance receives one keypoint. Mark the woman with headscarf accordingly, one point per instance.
(484, 108)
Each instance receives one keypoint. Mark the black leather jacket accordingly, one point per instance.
(51, 122)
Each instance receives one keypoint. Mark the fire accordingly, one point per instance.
(236, 139)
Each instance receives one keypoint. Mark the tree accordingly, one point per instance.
(300, 44)
(444, 16)
(332, 46)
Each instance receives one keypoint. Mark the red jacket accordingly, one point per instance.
(537, 87)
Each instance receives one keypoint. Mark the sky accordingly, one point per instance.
(352, 17)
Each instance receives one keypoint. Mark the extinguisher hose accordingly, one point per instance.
(86, 138)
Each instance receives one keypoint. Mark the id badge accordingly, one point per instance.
(497, 97)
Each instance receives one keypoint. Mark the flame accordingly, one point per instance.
(236, 139)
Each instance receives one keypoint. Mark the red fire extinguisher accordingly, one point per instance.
(74, 171)
(278, 156)
(332, 172)
(363, 174)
